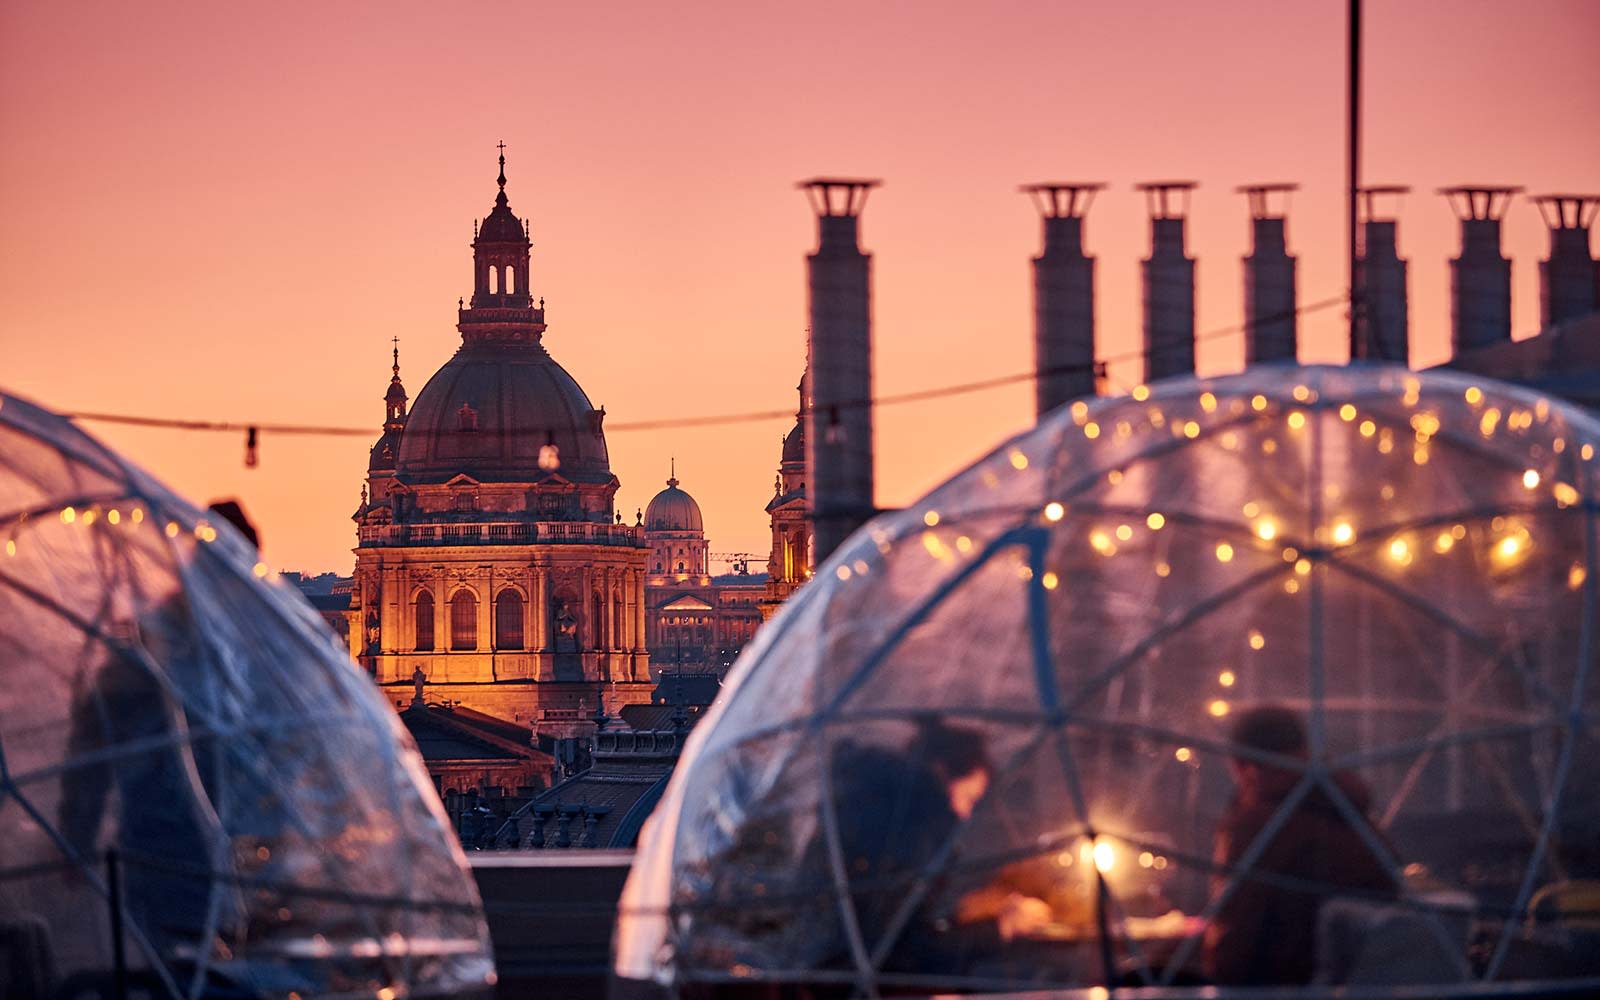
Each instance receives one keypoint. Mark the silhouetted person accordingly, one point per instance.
(142, 699)
(1265, 932)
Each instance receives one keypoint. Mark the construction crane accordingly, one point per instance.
(739, 561)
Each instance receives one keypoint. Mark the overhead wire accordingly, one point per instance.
(253, 429)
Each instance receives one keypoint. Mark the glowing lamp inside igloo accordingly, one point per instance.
(1280, 678)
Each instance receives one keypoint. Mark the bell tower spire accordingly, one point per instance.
(394, 400)
(501, 310)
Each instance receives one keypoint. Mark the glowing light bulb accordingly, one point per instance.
(1163, 570)
(1251, 509)
(843, 572)
(1343, 533)
(1050, 581)
(260, 570)
(1191, 429)
(1473, 395)
(930, 518)
(1508, 547)
(1575, 576)
(1302, 567)
(138, 515)
(68, 515)
(1297, 420)
(1266, 529)
(1114, 477)
(1400, 551)
(1443, 543)
(1586, 452)
(172, 529)
(1054, 511)
(1091, 430)
(1347, 412)
(1141, 392)
(1302, 393)
(1368, 428)
(1102, 543)
(1183, 755)
(1146, 859)
(1530, 479)
(1224, 552)
(1218, 708)
(1019, 461)
(1155, 521)
(1258, 403)
(113, 516)
(1105, 856)
(1257, 640)
(1208, 402)
(1124, 532)
(11, 546)
(1227, 678)
(1080, 411)
(1566, 495)
(963, 544)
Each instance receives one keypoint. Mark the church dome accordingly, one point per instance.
(673, 510)
(491, 409)
(794, 445)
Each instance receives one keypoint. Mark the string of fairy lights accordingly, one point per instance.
(549, 456)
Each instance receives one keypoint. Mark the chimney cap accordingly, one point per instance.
(1566, 211)
(853, 192)
(1063, 199)
(1260, 197)
(1479, 201)
(1158, 202)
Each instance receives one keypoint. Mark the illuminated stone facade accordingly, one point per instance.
(789, 564)
(491, 566)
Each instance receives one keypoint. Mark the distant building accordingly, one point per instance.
(631, 758)
(789, 564)
(696, 621)
(491, 561)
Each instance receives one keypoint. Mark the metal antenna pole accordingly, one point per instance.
(1353, 167)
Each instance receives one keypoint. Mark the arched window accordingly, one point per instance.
(508, 620)
(494, 279)
(424, 623)
(511, 279)
(463, 620)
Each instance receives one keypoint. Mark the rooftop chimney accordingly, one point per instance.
(839, 361)
(1063, 297)
(1480, 279)
(1168, 283)
(1383, 323)
(1269, 278)
(1569, 282)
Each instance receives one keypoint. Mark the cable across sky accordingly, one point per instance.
(707, 420)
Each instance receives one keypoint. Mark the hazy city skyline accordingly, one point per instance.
(228, 215)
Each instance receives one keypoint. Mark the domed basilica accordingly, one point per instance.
(493, 572)
(492, 566)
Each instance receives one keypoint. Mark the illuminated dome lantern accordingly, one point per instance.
(174, 724)
(1363, 597)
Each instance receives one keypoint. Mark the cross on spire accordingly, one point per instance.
(396, 356)
(502, 178)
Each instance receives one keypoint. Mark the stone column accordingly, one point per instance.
(484, 578)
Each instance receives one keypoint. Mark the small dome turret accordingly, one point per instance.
(673, 510)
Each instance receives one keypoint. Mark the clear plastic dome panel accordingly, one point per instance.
(1312, 643)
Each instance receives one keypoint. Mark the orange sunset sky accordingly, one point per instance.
(224, 211)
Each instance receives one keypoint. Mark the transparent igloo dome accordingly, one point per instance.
(1279, 678)
(186, 754)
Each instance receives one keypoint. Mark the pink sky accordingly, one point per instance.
(226, 212)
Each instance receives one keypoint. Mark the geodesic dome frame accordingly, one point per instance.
(186, 754)
(1406, 561)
